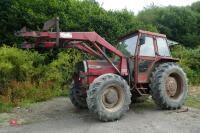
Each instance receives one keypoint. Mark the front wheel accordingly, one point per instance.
(169, 86)
(109, 97)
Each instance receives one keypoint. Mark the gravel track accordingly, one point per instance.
(59, 116)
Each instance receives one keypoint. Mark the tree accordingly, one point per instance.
(196, 6)
(75, 15)
(179, 23)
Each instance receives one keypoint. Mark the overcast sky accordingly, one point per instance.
(138, 5)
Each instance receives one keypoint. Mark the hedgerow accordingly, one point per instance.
(25, 77)
(190, 61)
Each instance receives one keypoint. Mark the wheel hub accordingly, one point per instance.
(110, 97)
(171, 86)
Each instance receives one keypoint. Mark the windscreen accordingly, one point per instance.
(128, 46)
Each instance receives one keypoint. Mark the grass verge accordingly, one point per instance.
(38, 95)
(6, 107)
(193, 100)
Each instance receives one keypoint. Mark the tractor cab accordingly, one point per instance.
(143, 50)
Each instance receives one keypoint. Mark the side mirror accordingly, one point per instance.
(142, 39)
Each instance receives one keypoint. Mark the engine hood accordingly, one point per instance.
(99, 64)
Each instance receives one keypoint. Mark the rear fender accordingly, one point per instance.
(160, 61)
(166, 59)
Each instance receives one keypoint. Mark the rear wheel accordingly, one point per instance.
(169, 86)
(78, 96)
(109, 97)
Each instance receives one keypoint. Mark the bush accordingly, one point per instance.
(16, 64)
(24, 76)
(190, 61)
(61, 69)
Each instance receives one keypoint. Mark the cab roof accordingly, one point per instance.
(144, 32)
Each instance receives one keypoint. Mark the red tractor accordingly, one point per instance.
(142, 65)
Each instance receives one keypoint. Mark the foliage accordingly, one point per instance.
(196, 6)
(193, 100)
(179, 23)
(61, 69)
(16, 64)
(190, 61)
(75, 15)
(25, 77)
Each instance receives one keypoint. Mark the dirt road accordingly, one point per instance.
(59, 116)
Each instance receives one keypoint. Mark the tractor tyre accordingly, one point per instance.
(78, 96)
(109, 97)
(169, 87)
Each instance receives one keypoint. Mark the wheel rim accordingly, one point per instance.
(174, 86)
(112, 98)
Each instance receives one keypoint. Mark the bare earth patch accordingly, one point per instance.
(195, 90)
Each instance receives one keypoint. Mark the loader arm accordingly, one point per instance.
(89, 42)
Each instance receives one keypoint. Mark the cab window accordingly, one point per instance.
(147, 49)
(127, 46)
(163, 49)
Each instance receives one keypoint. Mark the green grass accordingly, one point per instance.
(5, 107)
(193, 100)
(143, 104)
(25, 103)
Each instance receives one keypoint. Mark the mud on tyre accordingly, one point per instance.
(169, 86)
(109, 97)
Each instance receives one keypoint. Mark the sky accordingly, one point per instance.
(138, 5)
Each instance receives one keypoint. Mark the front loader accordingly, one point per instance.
(143, 65)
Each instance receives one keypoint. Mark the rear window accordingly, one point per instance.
(163, 48)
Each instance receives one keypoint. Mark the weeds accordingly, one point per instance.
(193, 100)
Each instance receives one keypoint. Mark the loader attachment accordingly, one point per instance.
(88, 42)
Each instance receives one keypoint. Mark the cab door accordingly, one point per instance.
(146, 58)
